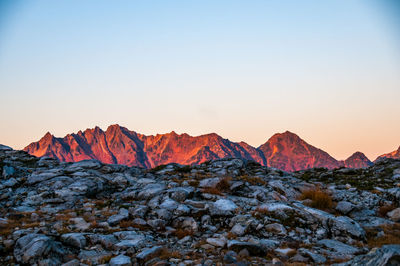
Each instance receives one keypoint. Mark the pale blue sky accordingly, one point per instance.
(326, 70)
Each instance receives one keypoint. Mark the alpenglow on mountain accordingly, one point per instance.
(118, 145)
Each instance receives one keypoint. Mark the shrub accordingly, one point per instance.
(167, 254)
(391, 236)
(253, 180)
(383, 210)
(319, 199)
(223, 184)
(181, 233)
(211, 190)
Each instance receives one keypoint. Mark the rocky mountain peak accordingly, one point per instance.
(285, 151)
(47, 137)
(357, 160)
(289, 152)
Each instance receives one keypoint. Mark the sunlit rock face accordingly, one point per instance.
(393, 155)
(357, 160)
(118, 145)
(289, 152)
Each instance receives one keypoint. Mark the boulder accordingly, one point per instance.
(217, 242)
(151, 190)
(77, 240)
(394, 215)
(32, 248)
(223, 207)
(115, 219)
(344, 207)
(338, 247)
(344, 225)
(386, 255)
(253, 248)
(120, 260)
(148, 253)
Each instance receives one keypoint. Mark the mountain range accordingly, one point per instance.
(118, 145)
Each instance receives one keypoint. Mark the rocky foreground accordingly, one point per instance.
(223, 212)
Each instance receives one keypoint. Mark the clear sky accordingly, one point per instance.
(326, 70)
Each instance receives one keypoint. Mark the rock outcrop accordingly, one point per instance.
(225, 211)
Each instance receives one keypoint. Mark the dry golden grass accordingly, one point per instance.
(181, 233)
(291, 253)
(319, 199)
(167, 254)
(20, 220)
(193, 183)
(211, 190)
(253, 180)
(126, 224)
(391, 236)
(259, 213)
(383, 210)
(222, 186)
(230, 235)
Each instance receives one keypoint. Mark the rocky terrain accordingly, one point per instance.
(118, 145)
(220, 212)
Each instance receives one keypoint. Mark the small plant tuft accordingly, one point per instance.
(319, 199)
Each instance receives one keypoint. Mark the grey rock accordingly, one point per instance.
(73, 262)
(5, 148)
(156, 224)
(80, 224)
(77, 240)
(209, 182)
(164, 214)
(180, 194)
(223, 207)
(3, 222)
(115, 219)
(31, 248)
(149, 253)
(8, 171)
(93, 257)
(238, 229)
(338, 246)
(394, 215)
(169, 205)
(36, 178)
(345, 225)
(344, 207)
(269, 244)
(317, 258)
(139, 211)
(230, 257)
(84, 164)
(217, 242)
(107, 241)
(252, 248)
(120, 260)
(131, 243)
(151, 190)
(276, 228)
(388, 255)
